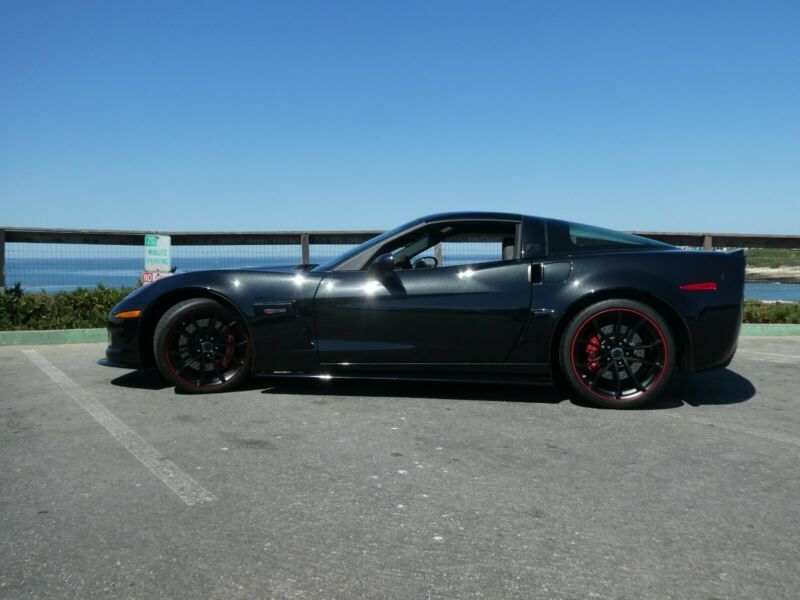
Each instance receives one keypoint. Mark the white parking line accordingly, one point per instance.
(168, 472)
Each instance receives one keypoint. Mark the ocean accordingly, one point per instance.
(786, 292)
(54, 274)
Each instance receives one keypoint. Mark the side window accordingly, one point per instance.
(572, 238)
(456, 243)
(477, 247)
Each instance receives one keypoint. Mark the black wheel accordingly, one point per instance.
(200, 346)
(617, 354)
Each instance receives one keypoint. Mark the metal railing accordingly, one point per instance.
(69, 258)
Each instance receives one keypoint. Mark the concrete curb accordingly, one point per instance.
(85, 336)
(55, 336)
(769, 329)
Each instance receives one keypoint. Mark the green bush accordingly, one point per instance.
(772, 258)
(756, 311)
(78, 309)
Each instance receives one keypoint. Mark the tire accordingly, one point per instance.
(617, 354)
(201, 346)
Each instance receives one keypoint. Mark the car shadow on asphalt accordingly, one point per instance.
(715, 388)
(418, 389)
(151, 379)
(141, 379)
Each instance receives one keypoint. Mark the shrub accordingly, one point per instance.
(78, 309)
(772, 257)
(756, 311)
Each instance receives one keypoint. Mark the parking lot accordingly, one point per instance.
(113, 485)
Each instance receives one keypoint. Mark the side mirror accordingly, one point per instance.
(426, 262)
(382, 266)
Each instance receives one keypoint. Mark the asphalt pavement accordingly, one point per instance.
(114, 486)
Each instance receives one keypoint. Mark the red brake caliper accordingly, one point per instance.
(592, 352)
(230, 350)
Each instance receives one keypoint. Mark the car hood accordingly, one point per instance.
(272, 269)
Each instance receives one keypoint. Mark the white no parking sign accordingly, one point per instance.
(157, 258)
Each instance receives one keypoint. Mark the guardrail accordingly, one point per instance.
(305, 240)
(709, 241)
(186, 238)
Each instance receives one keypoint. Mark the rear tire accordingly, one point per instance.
(201, 346)
(617, 354)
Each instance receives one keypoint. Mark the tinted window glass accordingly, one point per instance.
(456, 243)
(468, 249)
(571, 238)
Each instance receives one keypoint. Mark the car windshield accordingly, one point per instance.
(334, 262)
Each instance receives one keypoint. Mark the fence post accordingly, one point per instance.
(2, 261)
(708, 242)
(305, 249)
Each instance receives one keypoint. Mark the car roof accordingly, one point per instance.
(447, 216)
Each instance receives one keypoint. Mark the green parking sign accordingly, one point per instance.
(157, 255)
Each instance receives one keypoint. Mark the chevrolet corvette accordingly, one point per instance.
(471, 296)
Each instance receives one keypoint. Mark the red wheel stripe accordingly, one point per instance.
(602, 312)
(245, 359)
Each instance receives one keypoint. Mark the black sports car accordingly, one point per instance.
(458, 296)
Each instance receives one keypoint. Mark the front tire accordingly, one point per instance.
(617, 354)
(201, 346)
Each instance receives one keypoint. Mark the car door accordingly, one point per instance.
(459, 314)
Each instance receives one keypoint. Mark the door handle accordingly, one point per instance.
(555, 272)
(535, 272)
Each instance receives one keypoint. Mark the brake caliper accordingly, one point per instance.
(593, 353)
(230, 350)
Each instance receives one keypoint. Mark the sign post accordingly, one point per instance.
(157, 258)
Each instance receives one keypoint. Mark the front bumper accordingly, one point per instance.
(123, 341)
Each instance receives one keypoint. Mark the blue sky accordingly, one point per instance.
(348, 115)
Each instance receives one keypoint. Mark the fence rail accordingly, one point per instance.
(51, 245)
(710, 241)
